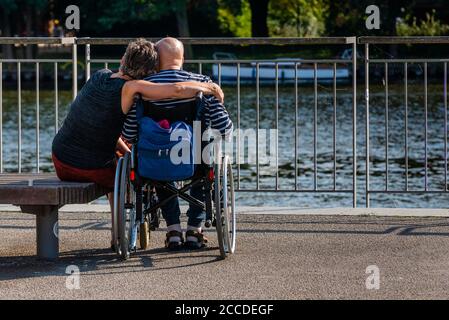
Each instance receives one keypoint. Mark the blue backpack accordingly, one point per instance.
(165, 154)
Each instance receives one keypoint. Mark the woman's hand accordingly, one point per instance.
(216, 91)
(122, 147)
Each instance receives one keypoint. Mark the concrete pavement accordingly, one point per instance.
(278, 257)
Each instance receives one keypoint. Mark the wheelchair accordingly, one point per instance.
(137, 209)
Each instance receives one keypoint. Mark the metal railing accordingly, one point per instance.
(297, 65)
(406, 63)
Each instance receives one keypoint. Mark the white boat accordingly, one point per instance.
(227, 71)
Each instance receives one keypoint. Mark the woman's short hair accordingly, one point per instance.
(140, 59)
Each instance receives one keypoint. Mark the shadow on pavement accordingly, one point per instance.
(104, 262)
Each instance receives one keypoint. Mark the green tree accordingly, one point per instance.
(177, 7)
(235, 19)
(6, 7)
(21, 17)
(430, 26)
(238, 8)
(301, 18)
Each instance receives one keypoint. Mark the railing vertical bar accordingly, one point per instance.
(386, 127)
(37, 119)
(277, 126)
(334, 135)
(238, 126)
(406, 123)
(1, 117)
(56, 98)
(200, 68)
(445, 126)
(315, 131)
(19, 120)
(106, 65)
(354, 124)
(87, 62)
(75, 69)
(367, 128)
(219, 74)
(257, 124)
(425, 127)
(296, 126)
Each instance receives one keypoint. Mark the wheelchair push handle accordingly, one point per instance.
(199, 105)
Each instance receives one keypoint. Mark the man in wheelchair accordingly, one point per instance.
(215, 116)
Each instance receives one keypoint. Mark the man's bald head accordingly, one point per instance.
(171, 53)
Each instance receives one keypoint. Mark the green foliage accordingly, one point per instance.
(155, 10)
(301, 18)
(37, 4)
(234, 17)
(121, 11)
(8, 5)
(12, 5)
(430, 26)
(117, 11)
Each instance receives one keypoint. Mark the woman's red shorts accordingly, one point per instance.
(104, 177)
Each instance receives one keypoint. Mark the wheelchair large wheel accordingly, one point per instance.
(114, 220)
(229, 206)
(126, 222)
(225, 207)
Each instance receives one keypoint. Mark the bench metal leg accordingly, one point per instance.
(47, 233)
(46, 230)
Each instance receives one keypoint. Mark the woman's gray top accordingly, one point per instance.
(88, 137)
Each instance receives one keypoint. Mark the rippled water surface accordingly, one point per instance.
(305, 174)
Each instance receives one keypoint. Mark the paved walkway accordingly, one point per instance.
(279, 257)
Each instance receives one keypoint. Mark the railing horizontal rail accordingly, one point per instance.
(229, 41)
(295, 191)
(404, 40)
(35, 60)
(234, 61)
(31, 40)
(408, 60)
(239, 41)
(408, 191)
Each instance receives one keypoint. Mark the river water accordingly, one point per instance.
(286, 147)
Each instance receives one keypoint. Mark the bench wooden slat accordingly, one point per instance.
(45, 189)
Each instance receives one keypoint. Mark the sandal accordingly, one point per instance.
(172, 244)
(193, 245)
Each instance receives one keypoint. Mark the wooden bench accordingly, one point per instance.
(43, 195)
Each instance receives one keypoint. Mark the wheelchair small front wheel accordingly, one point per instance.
(144, 235)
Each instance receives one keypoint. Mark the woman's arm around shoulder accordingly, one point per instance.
(160, 91)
